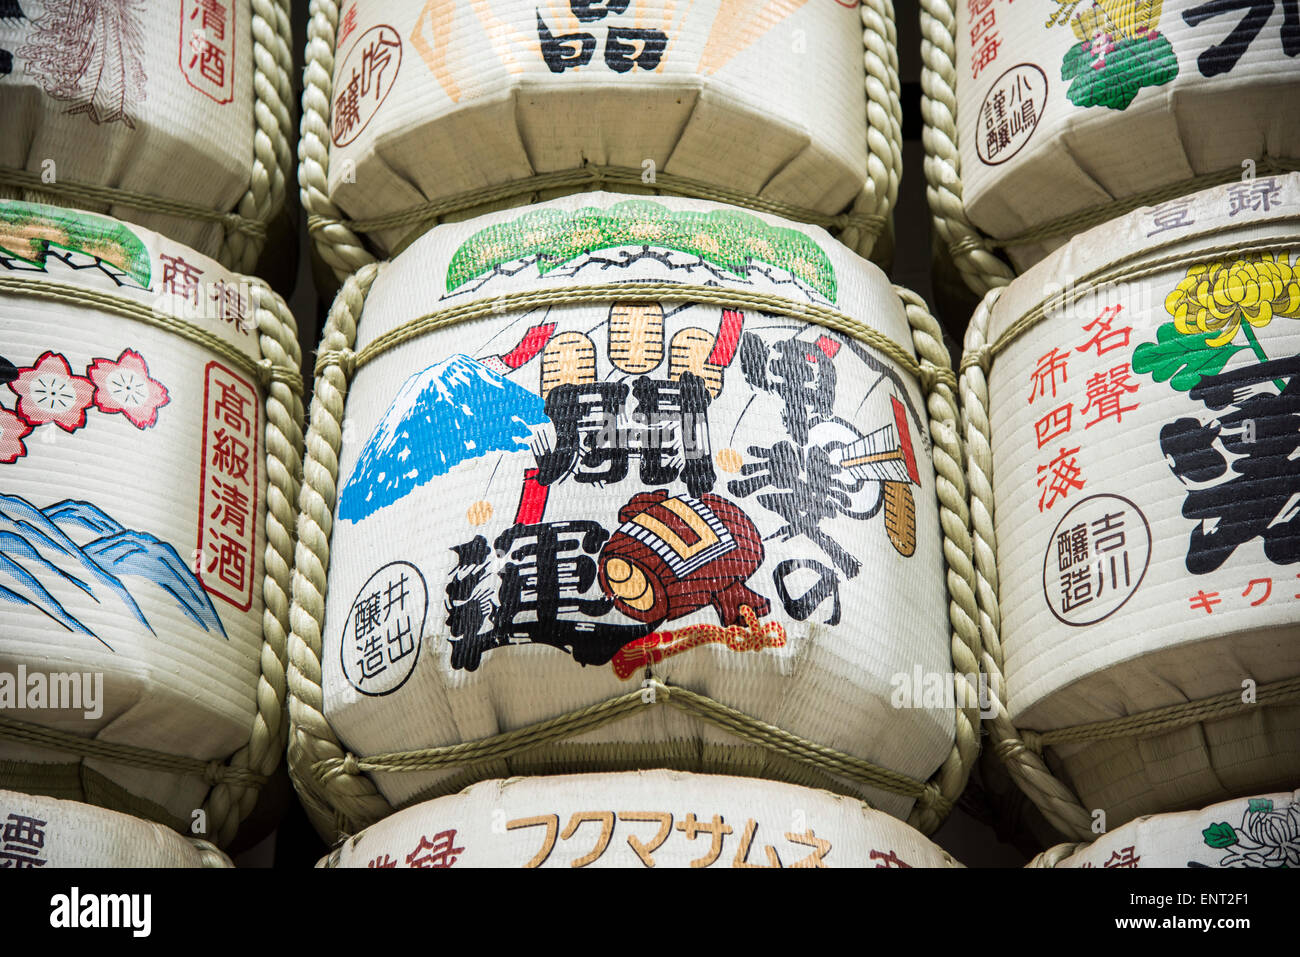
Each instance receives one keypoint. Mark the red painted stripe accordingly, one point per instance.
(905, 439)
(533, 342)
(724, 347)
(532, 500)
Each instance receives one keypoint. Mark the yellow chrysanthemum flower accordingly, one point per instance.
(1217, 297)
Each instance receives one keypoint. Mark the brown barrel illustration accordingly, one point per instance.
(636, 336)
(674, 556)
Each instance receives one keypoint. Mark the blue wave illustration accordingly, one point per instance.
(450, 413)
(63, 559)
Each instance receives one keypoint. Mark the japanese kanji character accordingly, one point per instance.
(588, 11)
(985, 55)
(718, 830)
(606, 821)
(802, 376)
(375, 59)
(552, 824)
(1170, 215)
(1124, 857)
(366, 616)
(1076, 588)
(1054, 424)
(1062, 475)
(1105, 395)
(569, 51)
(230, 562)
(230, 455)
(210, 58)
(1254, 196)
(1250, 586)
(1045, 374)
(231, 306)
(180, 278)
(385, 861)
(1104, 339)
(442, 852)
(1072, 547)
(1108, 532)
(347, 106)
(231, 505)
(347, 24)
(644, 851)
(1222, 57)
(622, 55)
(1205, 600)
(977, 29)
(214, 17)
(1240, 464)
(826, 586)
(229, 407)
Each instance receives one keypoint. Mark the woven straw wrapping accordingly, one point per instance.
(638, 819)
(1043, 122)
(150, 450)
(796, 696)
(177, 118)
(46, 832)
(1254, 832)
(1157, 386)
(749, 105)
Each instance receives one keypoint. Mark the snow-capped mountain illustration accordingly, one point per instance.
(450, 413)
(71, 556)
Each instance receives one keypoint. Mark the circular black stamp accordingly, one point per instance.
(1010, 113)
(384, 629)
(1096, 559)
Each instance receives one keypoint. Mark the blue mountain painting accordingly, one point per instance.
(71, 556)
(450, 413)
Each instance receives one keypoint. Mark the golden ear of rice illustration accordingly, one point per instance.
(636, 336)
(900, 517)
(568, 359)
(689, 352)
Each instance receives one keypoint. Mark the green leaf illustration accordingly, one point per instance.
(1131, 65)
(1258, 805)
(729, 239)
(1220, 835)
(28, 230)
(1182, 359)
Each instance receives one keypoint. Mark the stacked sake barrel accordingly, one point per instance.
(618, 483)
(662, 819)
(1132, 441)
(1255, 832)
(174, 116)
(417, 113)
(46, 832)
(1041, 123)
(150, 445)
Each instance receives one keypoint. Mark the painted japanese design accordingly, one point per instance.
(91, 56)
(642, 524)
(71, 560)
(32, 233)
(1119, 52)
(1236, 457)
(1267, 836)
(50, 393)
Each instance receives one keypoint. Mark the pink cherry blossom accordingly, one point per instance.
(124, 385)
(49, 392)
(12, 430)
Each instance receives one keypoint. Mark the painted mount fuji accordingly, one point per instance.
(71, 559)
(450, 413)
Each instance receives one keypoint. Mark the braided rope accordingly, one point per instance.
(266, 371)
(209, 854)
(979, 266)
(925, 370)
(272, 67)
(1053, 856)
(339, 241)
(954, 519)
(341, 798)
(1057, 802)
(235, 785)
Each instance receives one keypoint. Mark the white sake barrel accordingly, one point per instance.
(1247, 832)
(1051, 118)
(639, 819)
(174, 115)
(46, 832)
(149, 424)
(418, 112)
(1145, 433)
(641, 459)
